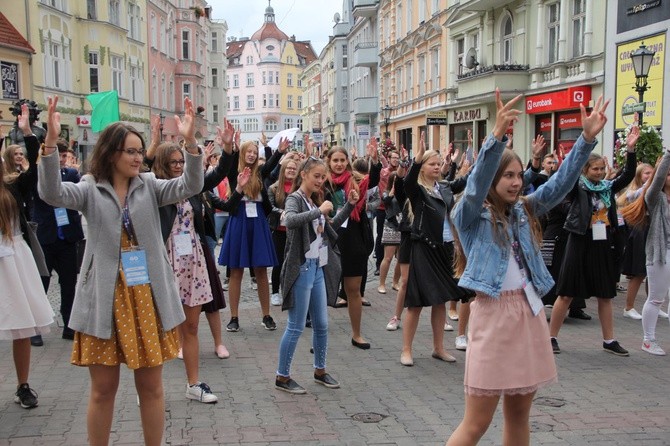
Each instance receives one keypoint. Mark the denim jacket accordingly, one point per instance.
(487, 260)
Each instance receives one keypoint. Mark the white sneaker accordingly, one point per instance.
(461, 342)
(632, 314)
(225, 284)
(254, 285)
(393, 324)
(448, 327)
(653, 348)
(662, 314)
(275, 299)
(200, 392)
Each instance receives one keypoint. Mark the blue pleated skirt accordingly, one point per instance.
(248, 241)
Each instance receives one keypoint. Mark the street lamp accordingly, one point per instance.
(386, 114)
(331, 127)
(642, 58)
(162, 121)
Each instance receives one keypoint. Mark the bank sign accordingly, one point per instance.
(626, 96)
(567, 99)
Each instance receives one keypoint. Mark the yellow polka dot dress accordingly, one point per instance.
(138, 339)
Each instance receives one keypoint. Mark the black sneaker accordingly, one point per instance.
(289, 386)
(554, 346)
(269, 323)
(36, 341)
(326, 380)
(579, 314)
(615, 349)
(25, 396)
(233, 325)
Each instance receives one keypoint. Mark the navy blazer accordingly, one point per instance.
(45, 217)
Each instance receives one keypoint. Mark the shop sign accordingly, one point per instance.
(436, 118)
(570, 121)
(473, 114)
(9, 73)
(558, 100)
(363, 131)
(545, 124)
(625, 82)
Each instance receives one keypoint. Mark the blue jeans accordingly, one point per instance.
(219, 222)
(309, 293)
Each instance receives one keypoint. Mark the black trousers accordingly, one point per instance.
(279, 240)
(380, 218)
(62, 257)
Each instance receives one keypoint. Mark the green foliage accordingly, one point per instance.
(649, 145)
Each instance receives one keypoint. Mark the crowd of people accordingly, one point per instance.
(497, 241)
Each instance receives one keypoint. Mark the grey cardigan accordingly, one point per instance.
(659, 212)
(299, 235)
(92, 311)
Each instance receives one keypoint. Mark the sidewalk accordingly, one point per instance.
(600, 399)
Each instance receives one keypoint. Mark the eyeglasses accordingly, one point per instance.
(175, 163)
(134, 152)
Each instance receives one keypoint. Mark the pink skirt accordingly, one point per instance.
(509, 349)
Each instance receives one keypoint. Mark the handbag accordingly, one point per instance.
(30, 229)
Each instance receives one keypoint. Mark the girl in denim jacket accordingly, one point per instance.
(500, 238)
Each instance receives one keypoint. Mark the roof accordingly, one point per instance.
(269, 30)
(235, 48)
(11, 37)
(304, 49)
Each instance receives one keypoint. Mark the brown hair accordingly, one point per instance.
(622, 199)
(307, 165)
(111, 140)
(62, 145)
(635, 213)
(8, 156)
(8, 211)
(355, 178)
(278, 187)
(254, 186)
(161, 166)
(499, 212)
(593, 158)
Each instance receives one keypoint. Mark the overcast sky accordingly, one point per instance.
(306, 19)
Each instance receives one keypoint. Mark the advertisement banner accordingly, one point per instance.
(9, 73)
(625, 82)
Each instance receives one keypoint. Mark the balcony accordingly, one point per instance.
(366, 106)
(366, 54)
(365, 8)
(484, 80)
(341, 29)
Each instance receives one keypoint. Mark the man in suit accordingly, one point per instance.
(58, 231)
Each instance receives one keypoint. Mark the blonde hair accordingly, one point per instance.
(254, 186)
(634, 185)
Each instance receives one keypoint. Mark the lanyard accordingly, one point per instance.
(516, 249)
(128, 225)
(322, 219)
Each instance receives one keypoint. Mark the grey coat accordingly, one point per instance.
(659, 213)
(92, 311)
(299, 235)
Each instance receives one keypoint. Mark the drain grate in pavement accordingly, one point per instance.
(368, 417)
(541, 427)
(550, 402)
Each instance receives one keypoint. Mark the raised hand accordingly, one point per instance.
(24, 120)
(263, 139)
(53, 124)
(632, 137)
(186, 126)
(465, 167)
(353, 196)
(243, 179)
(155, 129)
(593, 124)
(284, 144)
(422, 147)
(327, 207)
(238, 138)
(538, 144)
(505, 115)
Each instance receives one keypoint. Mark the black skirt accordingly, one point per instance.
(634, 261)
(351, 243)
(588, 267)
(405, 248)
(431, 276)
(218, 301)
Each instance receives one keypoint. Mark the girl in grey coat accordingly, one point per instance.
(121, 207)
(311, 272)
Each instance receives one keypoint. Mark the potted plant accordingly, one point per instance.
(199, 12)
(648, 148)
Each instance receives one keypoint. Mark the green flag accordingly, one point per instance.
(105, 109)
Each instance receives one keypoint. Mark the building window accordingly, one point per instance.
(299, 83)
(299, 124)
(215, 113)
(578, 27)
(250, 125)
(251, 103)
(422, 74)
(460, 54)
(215, 77)
(154, 87)
(271, 100)
(93, 71)
(422, 10)
(250, 79)
(299, 102)
(506, 40)
(134, 18)
(410, 19)
(250, 60)
(554, 30)
(185, 45)
(117, 74)
(214, 47)
(236, 80)
(277, 102)
(289, 79)
(236, 102)
(115, 12)
(164, 37)
(91, 10)
(152, 30)
(163, 91)
(410, 81)
(57, 4)
(172, 92)
(135, 84)
(263, 78)
(435, 68)
(288, 123)
(185, 91)
(227, 80)
(289, 101)
(277, 77)
(271, 79)
(398, 22)
(270, 125)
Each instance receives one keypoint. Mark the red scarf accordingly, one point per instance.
(345, 181)
(288, 185)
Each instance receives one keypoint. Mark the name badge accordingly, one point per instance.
(6, 250)
(323, 256)
(61, 217)
(134, 264)
(345, 223)
(599, 231)
(182, 244)
(251, 209)
(533, 299)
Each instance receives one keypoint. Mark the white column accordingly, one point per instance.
(563, 32)
(539, 35)
(588, 31)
